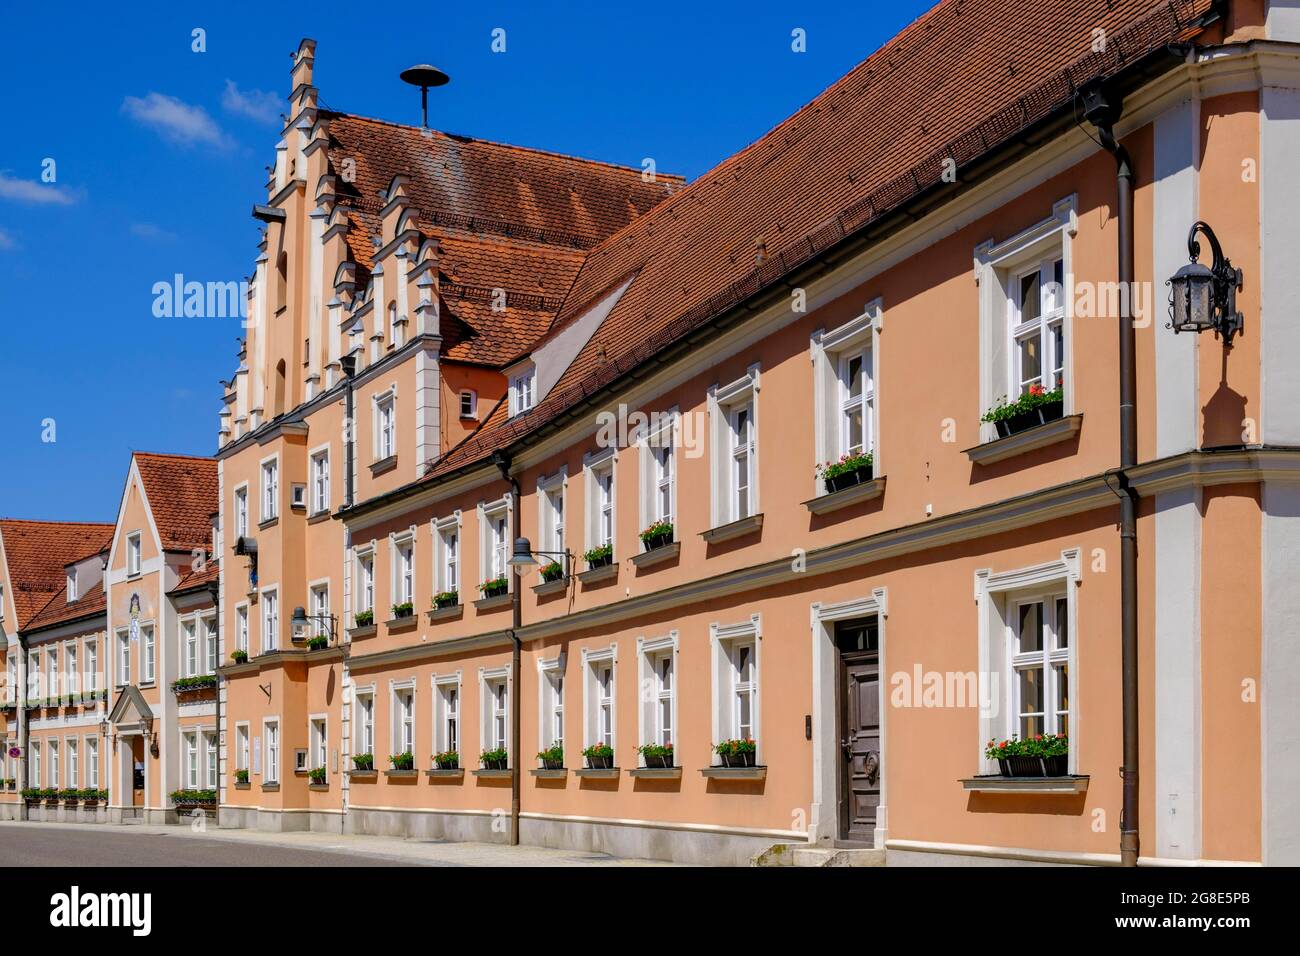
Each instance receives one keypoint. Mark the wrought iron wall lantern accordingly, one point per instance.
(1203, 299)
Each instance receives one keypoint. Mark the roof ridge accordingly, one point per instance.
(58, 522)
(171, 454)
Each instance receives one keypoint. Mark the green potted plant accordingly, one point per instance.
(552, 758)
(656, 755)
(1055, 749)
(598, 557)
(403, 761)
(318, 643)
(447, 760)
(1036, 406)
(1015, 757)
(363, 761)
(241, 776)
(737, 753)
(552, 571)
(403, 609)
(599, 756)
(317, 775)
(364, 618)
(239, 657)
(850, 470)
(494, 587)
(494, 759)
(657, 535)
(446, 599)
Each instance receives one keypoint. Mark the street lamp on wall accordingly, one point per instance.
(301, 622)
(524, 557)
(1205, 299)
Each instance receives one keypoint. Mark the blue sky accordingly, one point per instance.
(159, 155)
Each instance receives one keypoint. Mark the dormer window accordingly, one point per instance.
(72, 585)
(468, 404)
(523, 391)
(133, 554)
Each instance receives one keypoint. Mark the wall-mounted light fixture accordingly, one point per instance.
(1205, 299)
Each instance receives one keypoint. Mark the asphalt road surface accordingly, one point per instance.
(38, 845)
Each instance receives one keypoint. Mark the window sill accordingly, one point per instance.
(319, 787)
(550, 774)
(995, 783)
(401, 623)
(606, 572)
(598, 773)
(446, 613)
(846, 497)
(268, 523)
(367, 631)
(551, 587)
(243, 786)
(401, 774)
(493, 774)
(363, 774)
(733, 529)
(456, 774)
(319, 516)
(659, 555)
(1031, 439)
(735, 773)
(270, 788)
(656, 773)
(496, 601)
(383, 466)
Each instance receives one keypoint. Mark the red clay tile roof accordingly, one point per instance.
(182, 492)
(195, 579)
(966, 77)
(58, 610)
(37, 553)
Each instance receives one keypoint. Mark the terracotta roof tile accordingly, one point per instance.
(195, 579)
(37, 553)
(183, 493)
(59, 610)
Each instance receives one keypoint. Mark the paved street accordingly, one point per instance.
(56, 844)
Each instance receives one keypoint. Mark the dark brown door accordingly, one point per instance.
(859, 727)
(137, 771)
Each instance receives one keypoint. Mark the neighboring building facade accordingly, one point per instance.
(456, 344)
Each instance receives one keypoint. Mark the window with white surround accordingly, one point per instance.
(242, 750)
(1028, 641)
(191, 760)
(598, 683)
(92, 665)
(1025, 320)
(35, 685)
(523, 390)
(271, 735)
(270, 621)
(550, 518)
(318, 739)
(72, 584)
(658, 682)
(241, 628)
(494, 693)
(657, 453)
(73, 683)
(468, 404)
(241, 512)
(365, 580)
(147, 655)
(270, 489)
(733, 416)
(602, 512)
(736, 680)
(550, 722)
(53, 747)
(34, 778)
(363, 741)
(494, 523)
(320, 481)
(845, 367)
(210, 761)
(446, 560)
(319, 607)
(403, 570)
(190, 639)
(210, 644)
(403, 710)
(446, 717)
(133, 560)
(385, 426)
(52, 669)
(74, 767)
(92, 762)
(123, 658)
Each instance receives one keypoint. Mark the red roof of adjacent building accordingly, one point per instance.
(37, 553)
(963, 79)
(182, 492)
(59, 610)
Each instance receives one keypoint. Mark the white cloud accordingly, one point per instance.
(174, 120)
(27, 190)
(255, 104)
(7, 241)
(147, 230)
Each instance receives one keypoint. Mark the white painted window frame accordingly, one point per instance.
(594, 659)
(723, 403)
(319, 475)
(550, 707)
(268, 471)
(551, 536)
(595, 465)
(650, 650)
(493, 553)
(448, 566)
(442, 712)
(488, 679)
(723, 641)
(400, 692)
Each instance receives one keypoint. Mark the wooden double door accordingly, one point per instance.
(858, 726)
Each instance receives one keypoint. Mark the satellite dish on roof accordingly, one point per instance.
(424, 76)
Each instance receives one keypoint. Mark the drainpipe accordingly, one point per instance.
(1102, 108)
(348, 364)
(502, 460)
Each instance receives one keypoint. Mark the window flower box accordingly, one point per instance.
(494, 759)
(403, 761)
(447, 760)
(239, 657)
(1036, 407)
(446, 599)
(495, 587)
(599, 557)
(657, 535)
(363, 618)
(736, 753)
(599, 757)
(656, 755)
(317, 775)
(318, 643)
(850, 470)
(404, 609)
(241, 777)
(1046, 755)
(552, 572)
(553, 757)
(194, 798)
(187, 685)
(363, 761)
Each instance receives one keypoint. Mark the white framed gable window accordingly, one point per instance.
(657, 452)
(736, 652)
(657, 678)
(494, 716)
(845, 364)
(270, 489)
(320, 481)
(602, 510)
(599, 682)
(1025, 317)
(133, 558)
(385, 425)
(446, 558)
(403, 717)
(1028, 642)
(494, 541)
(446, 713)
(550, 517)
(550, 702)
(523, 390)
(148, 655)
(733, 418)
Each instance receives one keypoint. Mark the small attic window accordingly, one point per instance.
(523, 390)
(468, 404)
(72, 585)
